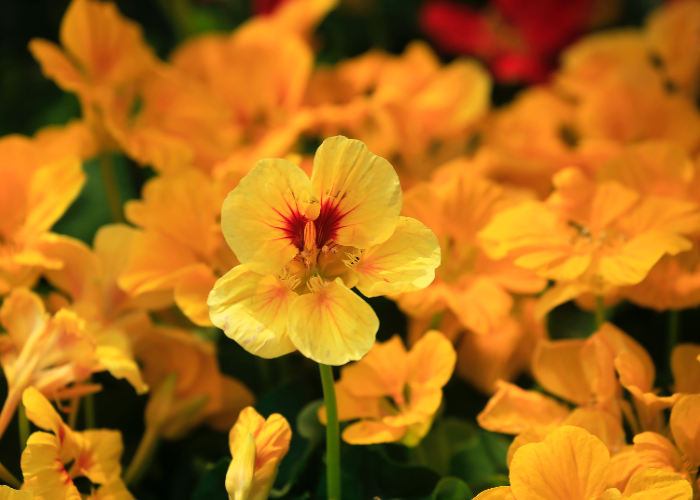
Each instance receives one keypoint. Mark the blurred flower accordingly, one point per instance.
(42, 351)
(7, 493)
(179, 248)
(394, 393)
(304, 243)
(409, 108)
(685, 365)
(590, 237)
(474, 287)
(187, 386)
(571, 464)
(518, 41)
(51, 462)
(36, 187)
(258, 446)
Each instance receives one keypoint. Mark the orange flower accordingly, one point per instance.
(590, 238)
(44, 352)
(394, 393)
(303, 243)
(36, 187)
(187, 386)
(470, 284)
(180, 248)
(51, 462)
(258, 446)
(571, 464)
(685, 364)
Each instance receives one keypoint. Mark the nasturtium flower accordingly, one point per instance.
(179, 249)
(393, 392)
(36, 188)
(258, 446)
(474, 287)
(46, 352)
(571, 464)
(7, 493)
(590, 237)
(52, 461)
(303, 243)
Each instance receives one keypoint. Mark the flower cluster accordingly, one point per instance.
(282, 193)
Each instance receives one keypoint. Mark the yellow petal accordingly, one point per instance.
(41, 413)
(403, 263)
(56, 66)
(191, 294)
(654, 450)
(78, 274)
(239, 477)
(513, 411)
(333, 325)
(623, 465)
(601, 424)
(53, 188)
(382, 372)
(481, 305)
(253, 310)
(7, 493)
(610, 494)
(372, 432)
(685, 426)
(685, 362)
(558, 367)
(22, 314)
(570, 463)
(99, 459)
(121, 364)
(500, 493)
(431, 361)
(659, 485)
(43, 471)
(359, 192)
(263, 219)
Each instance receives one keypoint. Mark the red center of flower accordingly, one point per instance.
(326, 224)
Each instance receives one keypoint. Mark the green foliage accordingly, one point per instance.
(211, 486)
(451, 488)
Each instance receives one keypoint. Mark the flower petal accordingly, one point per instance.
(371, 432)
(685, 426)
(332, 326)
(263, 219)
(431, 361)
(360, 193)
(657, 484)
(403, 263)
(253, 310)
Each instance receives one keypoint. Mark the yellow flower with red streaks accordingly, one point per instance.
(394, 393)
(180, 249)
(42, 351)
(590, 237)
(258, 446)
(303, 243)
(571, 464)
(474, 287)
(36, 188)
(52, 461)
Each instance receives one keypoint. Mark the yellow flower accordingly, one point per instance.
(571, 464)
(7, 493)
(187, 386)
(42, 351)
(258, 446)
(303, 243)
(36, 187)
(180, 248)
(394, 393)
(476, 288)
(88, 278)
(51, 462)
(590, 237)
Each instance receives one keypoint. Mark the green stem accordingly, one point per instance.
(142, 457)
(7, 477)
(90, 420)
(599, 311)
(332, 433)
(111, 187)
(23, 427)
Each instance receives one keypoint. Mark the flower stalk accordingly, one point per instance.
(332, 433)
(111, 187)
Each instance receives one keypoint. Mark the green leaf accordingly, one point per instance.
(452, 488)
(212, 485)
